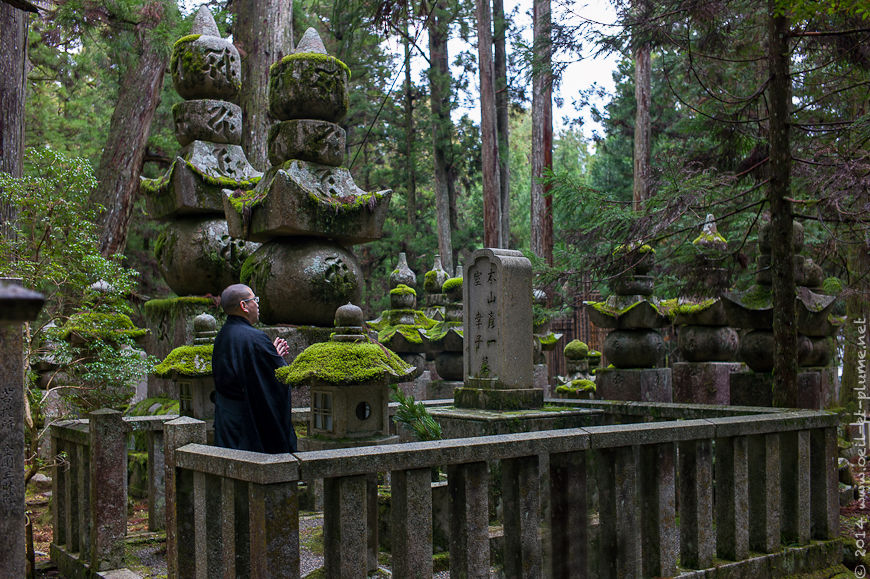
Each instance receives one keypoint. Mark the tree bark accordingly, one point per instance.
(502, 103)
(263, 33)
(782, 250)
(542, 134)
(642, 94)
(13, 51)
(439, 99)
(855, 328)
(410, 169)
(489, 142)
(124, 151)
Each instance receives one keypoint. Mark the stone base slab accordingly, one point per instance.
(790, 562)
(442, 389)
(463, 422)
(751, 389)
(640, 384)
(703, 382)
(810, 395)
(307, 444)
(498, 398)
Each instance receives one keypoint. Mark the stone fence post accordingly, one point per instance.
(177, 433)
(107, 434)
(17, 305)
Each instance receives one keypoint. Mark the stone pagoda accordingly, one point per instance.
(707, 344)
(306, 210)
(634, 346)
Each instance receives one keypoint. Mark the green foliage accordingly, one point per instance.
(415, 417)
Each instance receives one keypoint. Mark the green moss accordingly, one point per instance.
(153, 186)
(224, 182)
(576, 350)
(608, 310)
(437, 332)
(402, 290)
(709, 238)
(144, 407)
(759, 297)
(451, 284)
(548, 339)
(344, 363)
(674, 307)
(185, 40)
(410, 333)
(576, 386)
(312, 56)
(186, 360)
(256, 272)
(101, 326)
(169, 305)
(430, 282)
(632, 248)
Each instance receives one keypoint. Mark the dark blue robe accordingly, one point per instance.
(252, 408)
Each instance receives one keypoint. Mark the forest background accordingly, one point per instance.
(734, 108)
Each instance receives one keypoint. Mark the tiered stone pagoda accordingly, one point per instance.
(306, 210)
(752, 310)
(196, 254)
(578, 381)
(433, 282)
(634, 346)
(707, 344)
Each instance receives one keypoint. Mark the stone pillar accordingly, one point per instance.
(208, 537)
(180, 557)
(274, 530)
(696, 504)
(497, 323)
(522, 517)
(469, 519)
(108, 448)
(58, 486)
(345, 537)
(619, 526)
(660, 544)
(412, 522)
(569, 523)
(824, 483)
(17, 305)
(764, 493)
(83, 457)
(72, 497)
(795, 460)
(732, 498)
(156, 481)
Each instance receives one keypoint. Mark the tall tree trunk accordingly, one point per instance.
(410, 169)
(542, 133)
(855, 328)
(782, 251)
(489, 142)
(124, 151)
(502, 102)
(13, 51)
(263, 33)
(642, 92)
(439, 99)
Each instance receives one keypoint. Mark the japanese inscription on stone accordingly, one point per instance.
(498, 319)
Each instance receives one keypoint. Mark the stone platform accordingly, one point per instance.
(640, 384)
(465, 422)
(703, 382)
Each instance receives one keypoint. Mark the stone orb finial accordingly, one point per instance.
(349, 315)
(204, 329)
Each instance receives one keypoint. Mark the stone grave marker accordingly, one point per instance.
(498, 367)
(17, 305)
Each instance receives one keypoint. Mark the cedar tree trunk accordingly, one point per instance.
(502, 102)
(642, 91)
(489, 142)
(410, 169)
(542, 134)
(13, 50)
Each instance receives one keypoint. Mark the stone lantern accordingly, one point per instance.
(189, 367)
(349, 378)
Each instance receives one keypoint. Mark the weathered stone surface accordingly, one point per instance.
(477, 395)
(634, 348)
(822, 352)
(764, 492)
(311, 42)
(344, 526)
(449, 366)
(469, 518)
(206, 67)
(402, 274)
(703, 382)
(411, 515)
(642, 384)
(198, 256)
(711, 316)
(732, 498)
(210, 120)
(309, 140)
(697, 542)
(795, 500)
(308, 86)
(751, 389)
(569, 521)
(625, 313)
(108, 500)
(302, 281)
(204, 24)
(308, 199)
(660, 547)
(632, 285)
(708, 343)
(809, 390)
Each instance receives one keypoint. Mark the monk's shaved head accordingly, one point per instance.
(232, 296)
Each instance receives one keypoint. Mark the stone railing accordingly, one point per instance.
(773, 473)
(89, 495)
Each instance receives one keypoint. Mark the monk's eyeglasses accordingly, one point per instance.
(255, 298)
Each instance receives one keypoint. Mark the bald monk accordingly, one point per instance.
(252, 408)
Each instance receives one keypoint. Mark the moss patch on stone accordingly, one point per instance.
(402, 290)
(757, 298)
(451, 284)
(548, 339)
(157, 406)
(437, 332)
(709, 239)
(97, 325)
(576, 350)
(312, 56)
(832, 285)
(343, 363)
(674, 307)
(608, 310)
(410, 333)
(193, 361)
(169, 305)
(632, 248)
(576, 386)
(430, 282)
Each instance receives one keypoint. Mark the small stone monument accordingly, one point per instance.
(498, 333)
(433, 281)
(634, 346)
(349, 378)
(190, 368)
(17, 305)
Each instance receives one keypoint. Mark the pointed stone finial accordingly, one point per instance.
(204, 24)
(311, 43)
